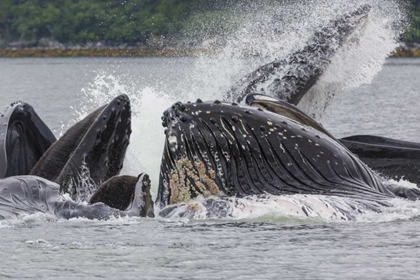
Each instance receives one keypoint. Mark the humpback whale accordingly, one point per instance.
(218, 148)
(118, 192)
(97, 144)
(393, 159)
(24, 138)
(291, 78)
(213, 150)
(23, 195)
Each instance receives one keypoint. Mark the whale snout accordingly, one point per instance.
(176, 113)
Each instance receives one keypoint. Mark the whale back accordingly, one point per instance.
(24, 138)
(219, 148)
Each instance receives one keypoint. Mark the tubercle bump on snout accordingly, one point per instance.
(174, 113)
(179, 111)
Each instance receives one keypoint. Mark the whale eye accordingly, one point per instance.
(183, 119)
(248, 112)
(259, 109)
(234, 104)
(217, 101)
(213, 121)
(262, 128)
(199, 100)
(235, 119)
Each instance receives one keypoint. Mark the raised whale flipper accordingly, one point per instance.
(24, 138)
(215, 148)
(284, 109)
(142, 201)
(393, 159)
(290, 79)
(97, 143)
(119, 192)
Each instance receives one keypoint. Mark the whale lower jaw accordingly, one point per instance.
(328, 208)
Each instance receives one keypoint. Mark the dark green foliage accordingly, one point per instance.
(82, 21)
(122, 21)
(413, 33)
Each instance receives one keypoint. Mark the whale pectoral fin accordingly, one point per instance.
(142, 203)
(285, 109)
(393, 159)
(23, 139)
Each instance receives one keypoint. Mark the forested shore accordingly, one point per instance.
(45, 28)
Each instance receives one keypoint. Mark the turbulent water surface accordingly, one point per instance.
(261, 242)
(381, 245)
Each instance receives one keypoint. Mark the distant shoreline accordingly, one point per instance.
(96, 52)
(133, 52)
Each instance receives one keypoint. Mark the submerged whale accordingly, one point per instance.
(217, 148)
(23, 195)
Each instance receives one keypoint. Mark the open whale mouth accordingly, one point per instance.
(128, 194)
(100, 139)
(215, 148)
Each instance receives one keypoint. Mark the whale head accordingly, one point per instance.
(217, 148)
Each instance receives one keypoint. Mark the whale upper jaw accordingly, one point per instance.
(93, 149)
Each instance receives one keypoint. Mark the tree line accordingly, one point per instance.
(413, 32)
(117, 21)
(82, 21)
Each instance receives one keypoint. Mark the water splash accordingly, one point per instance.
(147, 104)
(263, 31)
(83, 185)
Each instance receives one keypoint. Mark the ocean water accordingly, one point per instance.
(372, 96)
(272, 246)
